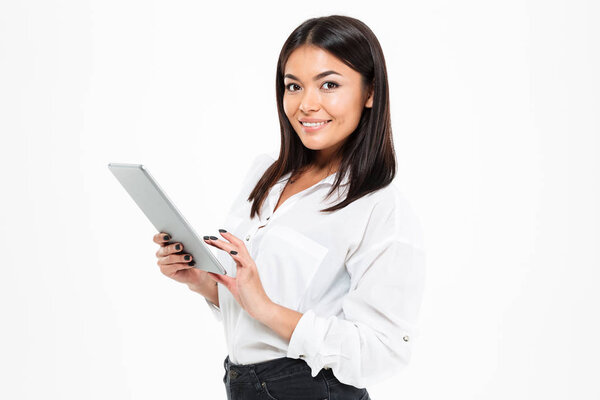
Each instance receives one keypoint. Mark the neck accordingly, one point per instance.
(315, 171)
(327, 160)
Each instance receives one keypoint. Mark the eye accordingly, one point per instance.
(331, 83)
(287, 87)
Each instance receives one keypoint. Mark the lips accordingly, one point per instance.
(315, 127)
(313, 120)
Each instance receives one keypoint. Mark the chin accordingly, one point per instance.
(313, 146)
(312, 142)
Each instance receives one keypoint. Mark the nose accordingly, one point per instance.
(309, 101)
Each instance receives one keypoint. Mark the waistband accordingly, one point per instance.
(271, 369)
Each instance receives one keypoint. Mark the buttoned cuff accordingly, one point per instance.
(306, 341)
(299, 347)
(216, 311)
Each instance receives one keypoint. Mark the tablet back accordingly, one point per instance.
(163, 214)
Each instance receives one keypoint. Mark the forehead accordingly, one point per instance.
(307, 61)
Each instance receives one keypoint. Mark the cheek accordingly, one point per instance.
(289, 106)
(343, 109)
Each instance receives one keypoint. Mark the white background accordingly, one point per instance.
(496, 128)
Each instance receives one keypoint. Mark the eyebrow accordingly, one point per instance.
(316, 78)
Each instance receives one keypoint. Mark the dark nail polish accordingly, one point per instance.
(166, 237)
(222, 230)
(213, 238)
(177, 247)
(187, 258)
(233, 252)
(206, 237)
(192, 263)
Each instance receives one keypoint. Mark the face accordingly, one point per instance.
(326, 93)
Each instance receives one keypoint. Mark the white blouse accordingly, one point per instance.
(356, 274)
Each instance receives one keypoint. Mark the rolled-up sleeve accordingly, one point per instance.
(373, 338)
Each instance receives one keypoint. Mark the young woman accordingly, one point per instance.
(324, 257)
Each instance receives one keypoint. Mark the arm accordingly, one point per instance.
(280, 319)
(210, 292)
(372, 338)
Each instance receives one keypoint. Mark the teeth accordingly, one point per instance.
(313, 123)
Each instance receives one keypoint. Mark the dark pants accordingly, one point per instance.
(285, 379)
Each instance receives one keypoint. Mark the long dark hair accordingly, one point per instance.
(368, 153)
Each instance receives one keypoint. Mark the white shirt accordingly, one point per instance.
(356, 274)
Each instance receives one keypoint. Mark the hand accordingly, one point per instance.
(246, 287)
(173, 264)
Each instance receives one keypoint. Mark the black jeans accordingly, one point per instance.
(285, 379)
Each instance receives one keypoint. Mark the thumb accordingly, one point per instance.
(223, 279)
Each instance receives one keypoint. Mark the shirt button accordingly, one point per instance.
(247, 238)
(405, 338)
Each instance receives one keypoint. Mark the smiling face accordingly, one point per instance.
(327, 95)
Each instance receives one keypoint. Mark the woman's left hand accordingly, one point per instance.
(246, 287)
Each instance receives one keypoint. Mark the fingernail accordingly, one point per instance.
(187, 258)
(213, 238)
(233, 252)
(192, 263)
(178, 247)
(222, 230)
(166, 237)
(206, 237)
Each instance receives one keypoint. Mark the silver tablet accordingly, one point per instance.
(163, 214)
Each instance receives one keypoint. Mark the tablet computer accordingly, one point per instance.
(163, 214)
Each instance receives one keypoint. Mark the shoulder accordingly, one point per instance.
(262, 162)
(253, 172)
(392, 206)
(257, 168)
(263, 159)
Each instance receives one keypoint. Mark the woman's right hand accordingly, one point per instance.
(173, 264)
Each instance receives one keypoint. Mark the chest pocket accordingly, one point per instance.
(287, 261)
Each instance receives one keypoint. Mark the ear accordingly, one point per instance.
(369, 102)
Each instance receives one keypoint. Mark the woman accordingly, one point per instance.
(317, 303)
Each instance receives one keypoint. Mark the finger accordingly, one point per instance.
(234, 240)
(230, 248)
(161, 238)
(236, 257)
(172, 269)
(231, 237)
(175, 258)
(216, 277)
(170, 249)
(221, 244)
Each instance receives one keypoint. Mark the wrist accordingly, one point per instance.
(200, 288)
(209, 291)
(280, 319)
(193, 288)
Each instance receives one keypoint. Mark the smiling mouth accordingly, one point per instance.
(314, 124)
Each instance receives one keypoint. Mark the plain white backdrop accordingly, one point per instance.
(495, 109)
